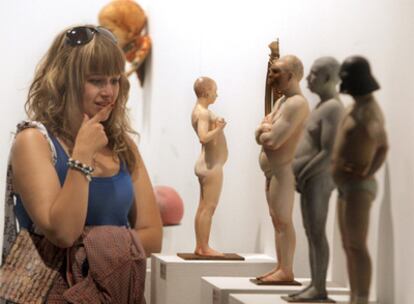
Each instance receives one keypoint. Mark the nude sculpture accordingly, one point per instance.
(209, 166)
(278, 134)
(312, 171)
(359, 151)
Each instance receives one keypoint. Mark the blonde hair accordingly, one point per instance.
(56, 92)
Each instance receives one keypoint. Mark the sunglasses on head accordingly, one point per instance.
(81, 35)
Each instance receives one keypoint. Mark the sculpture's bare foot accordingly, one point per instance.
(359, 300)
(309, 294)
(268, 273)
(208, 252)
(278, 276)
(293, 294)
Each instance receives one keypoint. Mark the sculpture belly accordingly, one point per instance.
(213, 156)
(265, 164)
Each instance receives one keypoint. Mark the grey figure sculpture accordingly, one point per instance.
(312, 172)
(359, 151)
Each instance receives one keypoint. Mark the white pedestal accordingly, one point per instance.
(275, 299)
(147, 292)
(178, 281)
(216, 290)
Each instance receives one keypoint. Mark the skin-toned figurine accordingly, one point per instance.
(359, 151)
(278, 134)
(127, 20)
(209, 166)
(312, 171)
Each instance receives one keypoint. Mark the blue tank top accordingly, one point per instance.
(110, 198)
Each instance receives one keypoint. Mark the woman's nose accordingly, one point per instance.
(107, 89)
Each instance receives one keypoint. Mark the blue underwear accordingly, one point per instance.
(369, 185)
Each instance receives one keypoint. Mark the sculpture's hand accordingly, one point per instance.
(265, 127)
(298, 186)
(262, 128)
(220, 123)
(267, 119)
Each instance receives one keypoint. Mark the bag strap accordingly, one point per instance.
(10, 222)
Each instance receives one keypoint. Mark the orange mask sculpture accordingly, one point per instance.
(127, 20)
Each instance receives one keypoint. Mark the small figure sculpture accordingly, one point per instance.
(312, 171)
(209, 166)
(127, 20)
(278, 134)
(359, 151)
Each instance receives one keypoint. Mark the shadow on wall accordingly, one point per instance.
(258, 244)
(386, 267)
(147, 94)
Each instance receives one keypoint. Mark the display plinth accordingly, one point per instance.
(178, 281)
(275, 299)
(225, 257)
(260, 282)
(216, 290)
(147, 292)
(294, 300)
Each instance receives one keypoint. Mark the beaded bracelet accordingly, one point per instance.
(77, 165)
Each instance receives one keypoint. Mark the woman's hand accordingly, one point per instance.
(91, 136)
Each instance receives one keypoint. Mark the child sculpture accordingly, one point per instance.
(209, 166)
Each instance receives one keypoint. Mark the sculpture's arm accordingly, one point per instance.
(292, 116)
(350, 163)
(204, 134)
(381, 151)
(322, 160)
(265, 126)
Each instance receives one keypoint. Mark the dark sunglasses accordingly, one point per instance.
(81, 35)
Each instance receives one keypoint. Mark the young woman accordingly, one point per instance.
(98, 177)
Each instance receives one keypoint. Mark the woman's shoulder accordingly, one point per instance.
(32, 139)
(29, 136)
(131, 143)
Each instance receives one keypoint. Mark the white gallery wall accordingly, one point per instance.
(227, 40)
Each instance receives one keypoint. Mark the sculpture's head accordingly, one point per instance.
(284, 72)
(324, 74)
(125, 18)
(205, 87)
(356, 77)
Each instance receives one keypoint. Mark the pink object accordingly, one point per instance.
(170, 204)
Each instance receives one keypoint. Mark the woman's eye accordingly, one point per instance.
(115, 80)
(96, 81)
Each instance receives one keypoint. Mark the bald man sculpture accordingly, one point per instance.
(278, 134)
(209, 166)
(359, 151)
(313, 176)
